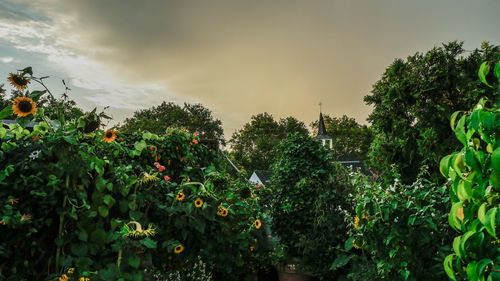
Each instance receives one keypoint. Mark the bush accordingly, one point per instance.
(398, 231)
(304, 204)
(475, 193)
(82, 203)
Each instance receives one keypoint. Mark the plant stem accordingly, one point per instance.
(61, 222)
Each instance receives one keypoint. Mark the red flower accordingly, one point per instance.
(195, 134)
(25, 217)
(14, 201)
(167, 178)
(251, 248)
(157, 165)
(194, 141)
(161, 168)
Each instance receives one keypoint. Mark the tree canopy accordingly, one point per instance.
(194, 117)
(252, 147)
(413, 102)
(348, 137)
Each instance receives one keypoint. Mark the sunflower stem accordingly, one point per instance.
(61, 222)
(119, 260)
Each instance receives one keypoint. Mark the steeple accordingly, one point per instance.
(322, 134)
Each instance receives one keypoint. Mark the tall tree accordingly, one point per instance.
(194, 117)
(413, 102)
(348, 137)
(252, 147)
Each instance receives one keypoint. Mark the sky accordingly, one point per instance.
(237, 58)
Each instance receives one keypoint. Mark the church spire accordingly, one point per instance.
(322, 134)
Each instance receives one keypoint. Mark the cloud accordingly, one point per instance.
(239, 57)
(6, 60)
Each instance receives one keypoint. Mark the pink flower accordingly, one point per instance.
(4, 222)
(156, 164)
(161, 168)
(167, 178)
(195, 134)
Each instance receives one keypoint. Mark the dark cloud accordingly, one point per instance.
(283, 56)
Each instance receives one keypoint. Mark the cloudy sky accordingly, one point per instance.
(238, 58)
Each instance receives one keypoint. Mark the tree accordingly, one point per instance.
(348, 137)
(413, 102)
(193, 117)
(252, 147)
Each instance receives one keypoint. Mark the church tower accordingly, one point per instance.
(322, 135)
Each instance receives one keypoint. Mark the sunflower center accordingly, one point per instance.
(25, 106)
(109, 134)
(19, 80)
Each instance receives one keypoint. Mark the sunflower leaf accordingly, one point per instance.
(35, 95)
(6, 112)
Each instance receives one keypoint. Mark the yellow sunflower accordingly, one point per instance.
(84, 279)
(180, 196)
(138, 233)
(356, 222)
(18, 81)
(23, 106)
(222, 212)
(71, 270)
(257, 224)
(109, 136)
(198, 203)
(178, 249)
(64, 277)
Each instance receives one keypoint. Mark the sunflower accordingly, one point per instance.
(71, 270)
(109, 136)
(64, 277)
(180, 196)
(147, 178)
(18, 81)
(356, 222)
(23, 106)
(198, 203)
(178, 249)
(355, 245)
(84, 279)
(222, 212)
(138, 233)
(257, 224)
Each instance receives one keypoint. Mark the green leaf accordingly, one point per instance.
(452, 218)
(495, 160)
(28, 70)
(6, 112)
(35, 95)
(147, 242)
(484, 69)
(134, 261)
(79, 249)
(490, 221)
(481, 213)
(471, 271)
(349, 244)
(444, 165)
(341, 261)
(460, 131)
(497, 71)
(481, 267)
(453, 118)
(103, 211)
(448, 267)
(108, 200)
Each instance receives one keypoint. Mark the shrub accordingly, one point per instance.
(81, 203)
(304, 203)
(398, 231)
(475, 193)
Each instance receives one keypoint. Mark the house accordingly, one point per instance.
(261, 177)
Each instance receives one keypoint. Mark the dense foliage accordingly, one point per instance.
(398, 231)
(475, 194)
(413, 101)
(349, 138)
(81, 203)
(194, 117)
(253, 146)
(304, 204)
